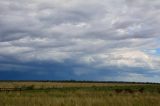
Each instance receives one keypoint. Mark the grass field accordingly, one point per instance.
(79, 94)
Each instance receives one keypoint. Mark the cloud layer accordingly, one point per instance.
(107, 39)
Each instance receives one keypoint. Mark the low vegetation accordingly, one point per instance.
(79, 94)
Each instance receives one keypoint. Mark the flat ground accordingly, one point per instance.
(78, 94)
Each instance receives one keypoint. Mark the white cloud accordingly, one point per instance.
(122, 58)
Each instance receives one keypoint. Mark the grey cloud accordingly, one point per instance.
(79, 31)
(72, 12)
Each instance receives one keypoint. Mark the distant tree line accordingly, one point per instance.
(78, 81)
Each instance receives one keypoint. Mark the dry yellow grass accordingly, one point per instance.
(78, 98)
(59, 84)
(67, 94)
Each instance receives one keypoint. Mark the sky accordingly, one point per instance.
(99, 40)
